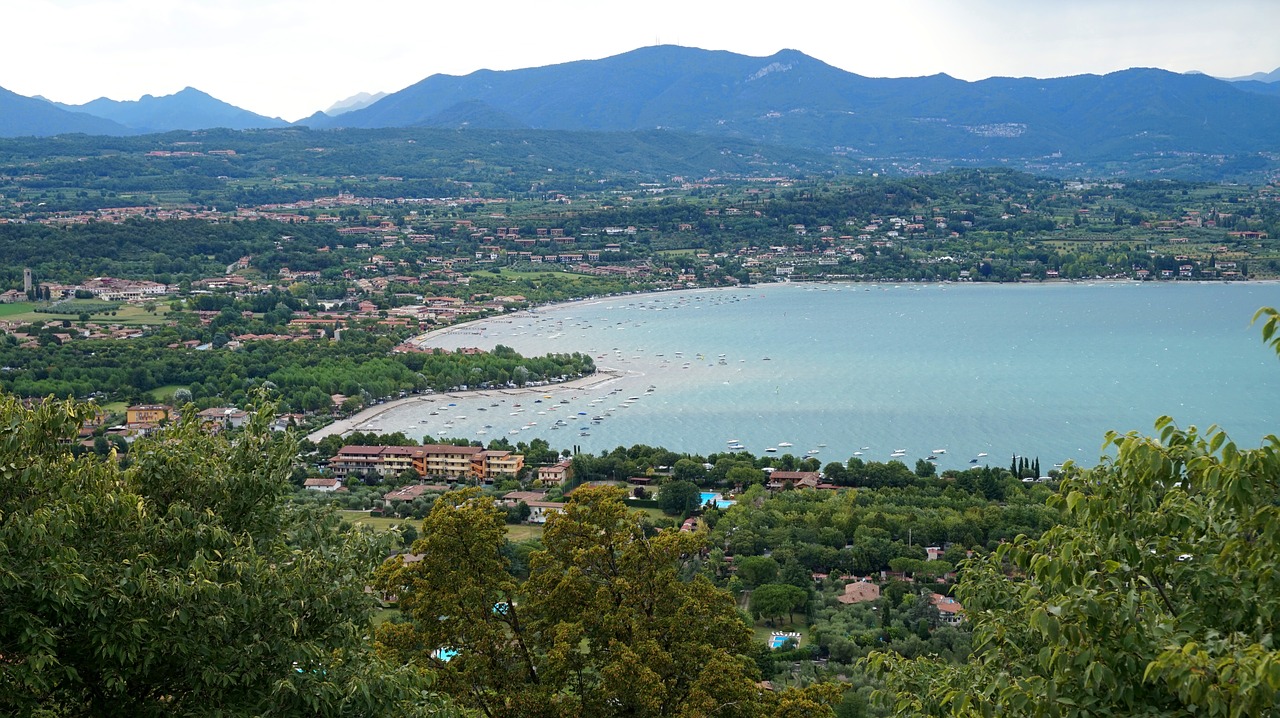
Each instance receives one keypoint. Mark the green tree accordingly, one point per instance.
(606, 624)
(184, 584)
(775, 600)
(678, 497)
(1156, 596)
(757, 570)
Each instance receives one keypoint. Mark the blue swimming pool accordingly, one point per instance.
(713, 499)
(776, 642)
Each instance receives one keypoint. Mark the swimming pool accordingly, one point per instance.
(714, 499)
(777, 641)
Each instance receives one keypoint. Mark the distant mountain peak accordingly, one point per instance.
(1273, 76)
(187, 109)
(358, 101)
(790, 98)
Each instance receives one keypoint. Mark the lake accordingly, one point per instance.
(978, 371)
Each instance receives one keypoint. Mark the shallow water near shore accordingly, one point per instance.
(958, 372)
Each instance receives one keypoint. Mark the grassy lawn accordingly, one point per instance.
(377, 523)
(165, 393)
(654, 513)
(127, 314)
(523, 532)
(10, 310)
(382, 615)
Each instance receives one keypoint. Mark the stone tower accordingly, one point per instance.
(26, 279)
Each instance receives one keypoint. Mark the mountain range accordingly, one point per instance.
(189, 109)
(787, 99)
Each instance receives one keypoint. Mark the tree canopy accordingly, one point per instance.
(606, 624)
(182, 584)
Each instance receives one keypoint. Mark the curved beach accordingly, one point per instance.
(345, 426)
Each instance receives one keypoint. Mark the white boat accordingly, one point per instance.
(785, 443)
(771, 450)
(938, 451)
(811, 452)
(982, 454)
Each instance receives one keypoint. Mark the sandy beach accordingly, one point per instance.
(345, 426)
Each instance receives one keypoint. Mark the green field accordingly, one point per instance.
(10, 310)
(515, 532)
(523, 532)
(166, 392)
(127, 314)
(377, 523)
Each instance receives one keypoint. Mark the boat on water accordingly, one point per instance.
(785, 443)
(938, 451)
(772, 450)
(982, 454)
(811, 452)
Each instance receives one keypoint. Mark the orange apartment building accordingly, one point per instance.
(452, 462)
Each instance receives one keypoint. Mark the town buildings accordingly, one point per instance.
(432, 460)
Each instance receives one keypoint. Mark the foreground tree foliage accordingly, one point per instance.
(1158, 595)
(607, 624)
(181, 585)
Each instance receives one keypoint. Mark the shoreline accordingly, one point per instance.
(535, 309)
(343, 427)
(488, 330)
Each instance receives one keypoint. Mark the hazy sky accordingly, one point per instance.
(289, 58)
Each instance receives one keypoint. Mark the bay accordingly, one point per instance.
(834, 370)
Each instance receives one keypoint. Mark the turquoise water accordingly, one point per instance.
(714, 498)
(1039, 370)
(776, 642)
